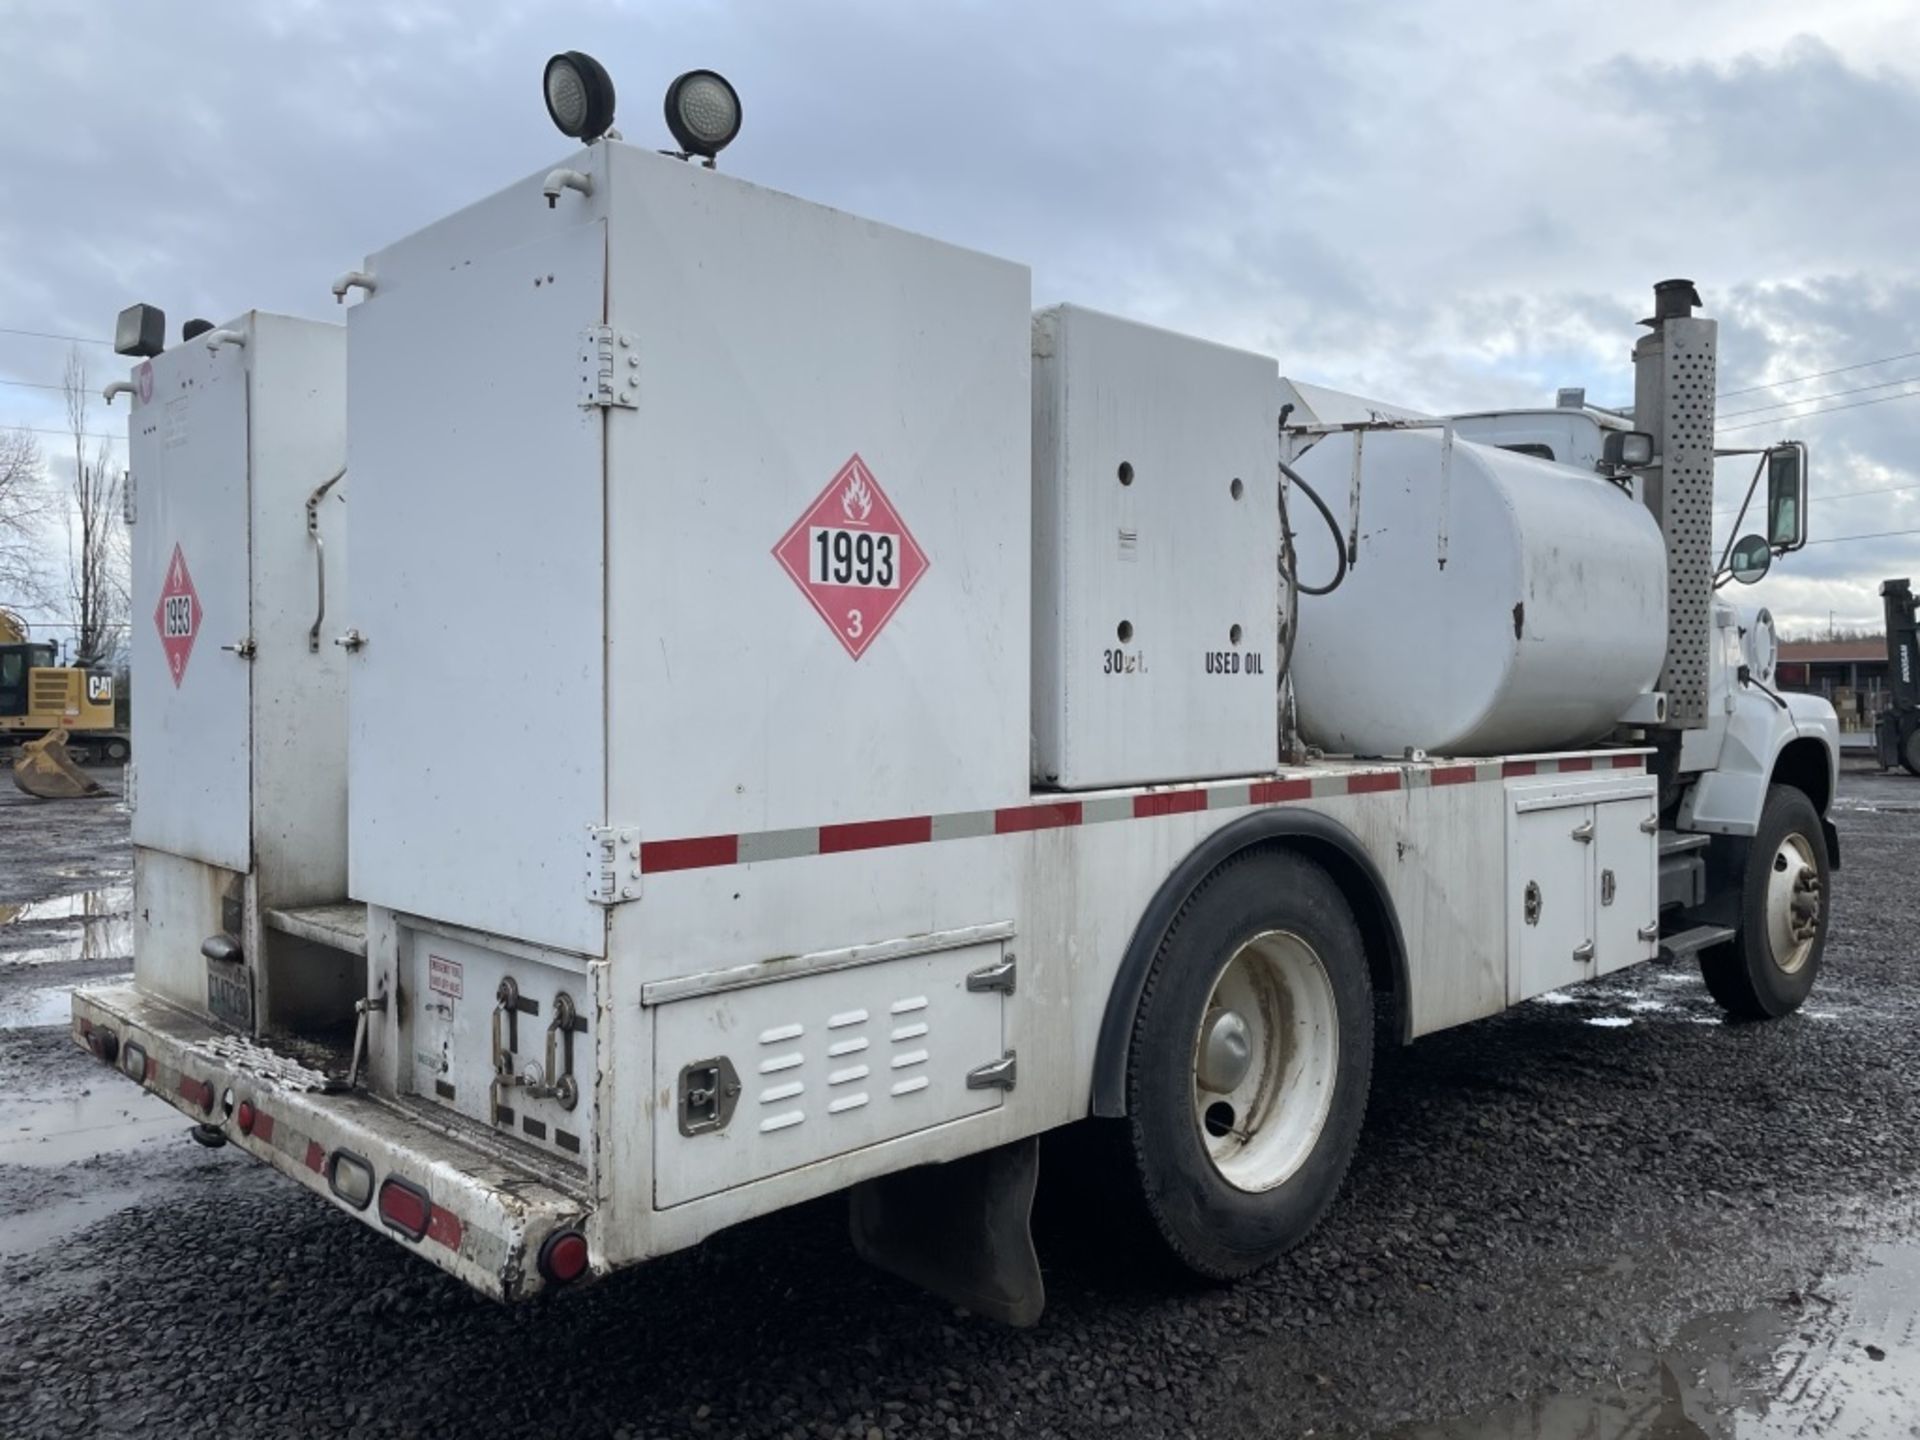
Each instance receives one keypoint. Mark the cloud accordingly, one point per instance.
(1451, 203)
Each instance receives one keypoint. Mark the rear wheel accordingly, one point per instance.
(1252, 1054)
(1768, 968)
(114, 751)
(1910, 751)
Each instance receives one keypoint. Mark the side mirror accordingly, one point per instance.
(1750, 559)
(1787, 496)
(1627, 449)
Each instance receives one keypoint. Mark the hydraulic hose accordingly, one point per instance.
(1333, 526)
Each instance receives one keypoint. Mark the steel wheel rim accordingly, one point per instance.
(1793, 903)
(1260, 1131)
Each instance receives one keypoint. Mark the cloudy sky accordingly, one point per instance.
(1450, 204)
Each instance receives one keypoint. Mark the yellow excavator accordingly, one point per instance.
(43, 707)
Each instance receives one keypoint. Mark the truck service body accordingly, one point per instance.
(871, 696)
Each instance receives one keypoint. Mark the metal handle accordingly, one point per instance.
(994, 1075)
(1583, 832)
(998, 977)
(319, 557)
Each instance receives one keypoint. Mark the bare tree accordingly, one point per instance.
(23, 507)
(96, 571)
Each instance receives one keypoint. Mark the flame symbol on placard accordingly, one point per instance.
(856, 501)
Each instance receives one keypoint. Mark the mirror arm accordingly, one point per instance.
(1726, 555)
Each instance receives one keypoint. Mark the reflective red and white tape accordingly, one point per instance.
(702, 852)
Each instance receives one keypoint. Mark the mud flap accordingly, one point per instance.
(960, 1230)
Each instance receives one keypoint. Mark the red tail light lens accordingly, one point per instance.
(563, 1257)
(244, 1117)
(200, 1092)
(405, 1207)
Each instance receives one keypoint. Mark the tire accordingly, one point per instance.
(115, 752)
(1769, 967)
(1910, 751)
(1268, 934)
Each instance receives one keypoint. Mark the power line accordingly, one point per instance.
(64, 434)
(1843, 495)
(1786, 419)
(1830, 395)
(1820, 374)
(48, 335)
(32, 384)
(1876, 535)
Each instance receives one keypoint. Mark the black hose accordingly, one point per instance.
(1333, 525)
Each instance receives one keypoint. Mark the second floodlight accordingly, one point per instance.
(703, 112)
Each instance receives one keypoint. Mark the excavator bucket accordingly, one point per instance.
(44, 770)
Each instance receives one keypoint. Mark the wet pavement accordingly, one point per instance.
(1610, 1214)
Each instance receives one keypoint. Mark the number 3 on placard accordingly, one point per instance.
(855, 626)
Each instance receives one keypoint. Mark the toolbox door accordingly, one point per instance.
(191, 617)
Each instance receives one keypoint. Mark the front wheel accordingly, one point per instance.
(1251, 1058)
(1910, 751)
(1768, 968)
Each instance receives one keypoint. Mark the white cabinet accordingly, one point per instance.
(1582, 894)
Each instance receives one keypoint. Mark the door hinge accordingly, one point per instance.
(1583, 832)
(1583, 952)
(610, 368)
(998, 977)
(1650, 825)
(129, 507)
(243, 647)
(994, 1075)
(1648, 932)
(613, 864)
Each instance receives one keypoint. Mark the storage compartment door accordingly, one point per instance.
(476, 753)
(774, 1076)
(1626, 844)
(190, 606)
(1549, 896)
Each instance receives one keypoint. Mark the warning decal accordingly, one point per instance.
(852, 556)
(177, 616)
(446, 977)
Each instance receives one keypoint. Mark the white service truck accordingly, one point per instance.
(692, 700)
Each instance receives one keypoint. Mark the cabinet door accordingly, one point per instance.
(1550, 897)
(1626, 844)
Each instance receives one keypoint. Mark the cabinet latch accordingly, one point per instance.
(709, 1090)
(994, 1075)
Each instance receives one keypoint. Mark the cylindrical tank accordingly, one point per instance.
(1499, 603)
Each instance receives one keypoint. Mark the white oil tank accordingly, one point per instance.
(1497, 602)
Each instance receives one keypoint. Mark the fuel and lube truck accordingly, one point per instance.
(891, 724)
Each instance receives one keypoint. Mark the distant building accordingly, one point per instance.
(1852, 674)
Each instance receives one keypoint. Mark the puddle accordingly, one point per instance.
(108, 900)
(104, 929)
(25, 1234)
(1840, 1360)
(45, 1005)
(112, 1115)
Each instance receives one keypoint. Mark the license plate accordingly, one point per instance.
(230, 994)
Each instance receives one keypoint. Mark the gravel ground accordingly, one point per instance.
(1545, 1202)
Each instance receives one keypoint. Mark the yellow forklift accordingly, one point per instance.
(45, 707)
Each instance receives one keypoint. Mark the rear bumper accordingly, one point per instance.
(488, 1218)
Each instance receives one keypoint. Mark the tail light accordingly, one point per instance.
(133, 1060)
(200, 1092)
(244, 1117)
(563, 1257)
(351, 1178)
(405, 1207)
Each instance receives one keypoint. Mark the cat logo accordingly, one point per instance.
(100, 689)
